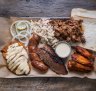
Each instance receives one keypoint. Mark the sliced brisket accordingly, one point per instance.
(49, 57)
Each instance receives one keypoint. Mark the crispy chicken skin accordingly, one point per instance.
(84, 52)
(82, 60)
(74, 66)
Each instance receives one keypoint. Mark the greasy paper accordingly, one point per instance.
(5, 37)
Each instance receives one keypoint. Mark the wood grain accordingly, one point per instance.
(45, 8)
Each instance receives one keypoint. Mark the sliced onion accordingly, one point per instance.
(21, 35)
(25, 42)
(14, 30)
(25, 33)
(21, 26)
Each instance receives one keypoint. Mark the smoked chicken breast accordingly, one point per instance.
(16, 58)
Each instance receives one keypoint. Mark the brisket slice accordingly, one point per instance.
(49, 57)
(52, 54)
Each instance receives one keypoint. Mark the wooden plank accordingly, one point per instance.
(40, 8)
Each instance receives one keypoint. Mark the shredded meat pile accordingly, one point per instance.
(69, 30)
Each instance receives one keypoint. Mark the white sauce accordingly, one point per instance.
(63, 50)
(17, 59)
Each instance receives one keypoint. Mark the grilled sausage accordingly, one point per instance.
(39, 65)
(35, 59)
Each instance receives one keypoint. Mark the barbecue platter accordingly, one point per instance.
(41, 46)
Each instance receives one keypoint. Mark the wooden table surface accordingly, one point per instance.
(45, 8)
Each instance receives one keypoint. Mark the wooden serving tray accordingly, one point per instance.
(5, 37)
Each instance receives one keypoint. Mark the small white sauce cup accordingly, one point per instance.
(67, 52)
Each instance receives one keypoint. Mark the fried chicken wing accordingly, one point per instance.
(84, 52)
(82, 60)
(74, 66)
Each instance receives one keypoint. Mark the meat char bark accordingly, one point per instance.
(49, 57)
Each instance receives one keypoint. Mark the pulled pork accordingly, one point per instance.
(69, 30)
